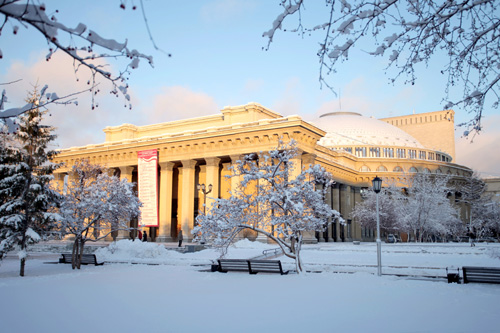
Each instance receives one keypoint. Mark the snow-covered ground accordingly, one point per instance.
(175, 292)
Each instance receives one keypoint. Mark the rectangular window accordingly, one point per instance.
(374, 152)
(361, 151)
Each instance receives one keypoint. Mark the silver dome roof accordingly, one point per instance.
(352, 129)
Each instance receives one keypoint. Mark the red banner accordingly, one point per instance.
(148, 187)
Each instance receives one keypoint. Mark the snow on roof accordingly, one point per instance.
(350, 128)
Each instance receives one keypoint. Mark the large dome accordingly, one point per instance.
(350, 128)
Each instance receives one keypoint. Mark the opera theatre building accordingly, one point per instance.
(168, 161)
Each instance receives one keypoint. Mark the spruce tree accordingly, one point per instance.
(27, 200)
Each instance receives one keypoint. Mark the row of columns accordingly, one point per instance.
(341, 197)
(187, 188)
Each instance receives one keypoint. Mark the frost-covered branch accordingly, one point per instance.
(85, 46)
(408, 33)
(95, 205)
(45, 99)
(269, 201)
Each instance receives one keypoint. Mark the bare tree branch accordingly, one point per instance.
(84, 46)
(408, 33)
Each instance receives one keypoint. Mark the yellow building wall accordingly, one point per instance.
(230, 115)
(434, 130)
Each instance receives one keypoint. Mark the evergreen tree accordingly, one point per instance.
(27, 201)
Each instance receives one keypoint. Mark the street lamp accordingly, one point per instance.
(377, 186)
(202, 188)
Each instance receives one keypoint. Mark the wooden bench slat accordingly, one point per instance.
(226, 265)
(251, 266)
(481, 274)
(266, 266)
(86, 259)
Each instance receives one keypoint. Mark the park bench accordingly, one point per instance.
(266, 266)
(481, 274)
(87, 259)
(250, 266)
(235, 265)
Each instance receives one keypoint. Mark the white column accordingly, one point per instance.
(165, 204)
(329, 229)
(235, 180)
(262, 162)
(296, 167)
(212, 178)
(125, 173)
(336, 206)
(306, 162)
(187, 199)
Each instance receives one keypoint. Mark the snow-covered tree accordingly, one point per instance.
(426, 210)
(464, 34)
(85, 46)
(271, 202)
(95, 205)
(471, 192)
(485, 217)
(471, 189)
(27, 201)
(365, 212)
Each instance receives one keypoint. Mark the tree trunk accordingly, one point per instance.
(23, 249)
(23, 261)
(298, 262)
(80, 254)
(74, 253)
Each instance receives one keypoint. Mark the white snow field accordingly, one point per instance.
(341, 293)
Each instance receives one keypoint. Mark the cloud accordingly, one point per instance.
(481, 152)
(221, 11)
(174, 103)
(76, 124)
(79, 125)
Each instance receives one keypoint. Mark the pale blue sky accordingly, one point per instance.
(217, 60)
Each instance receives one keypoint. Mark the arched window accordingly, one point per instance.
(426, 170)
(382, 168)
(413, 169)
(364, 168)
(439, 171)
(397, 169)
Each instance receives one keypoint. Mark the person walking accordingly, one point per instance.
(145, 236)
(180, 238)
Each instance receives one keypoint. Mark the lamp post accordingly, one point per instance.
(377, 186)
(203, 188)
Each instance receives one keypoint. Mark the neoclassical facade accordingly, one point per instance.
(353, 148)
